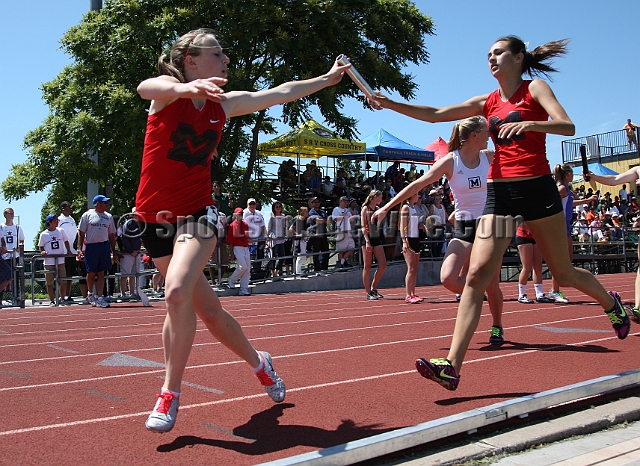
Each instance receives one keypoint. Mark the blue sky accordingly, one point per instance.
(596, 84)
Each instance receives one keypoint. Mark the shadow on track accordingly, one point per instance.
(265, 434)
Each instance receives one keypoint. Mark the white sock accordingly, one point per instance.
(539, 290)
(261, 365)
(522, 289)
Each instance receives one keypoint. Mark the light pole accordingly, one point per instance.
(92, 186)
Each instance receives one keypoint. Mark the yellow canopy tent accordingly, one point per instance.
(309, 140)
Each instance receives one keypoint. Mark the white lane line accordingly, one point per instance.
(294, 335)
(306, 354)
(195, 405)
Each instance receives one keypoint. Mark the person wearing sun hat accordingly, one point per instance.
(53, 241)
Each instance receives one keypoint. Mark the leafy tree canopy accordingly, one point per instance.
(94, 105)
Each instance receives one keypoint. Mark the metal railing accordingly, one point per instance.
(599, 146)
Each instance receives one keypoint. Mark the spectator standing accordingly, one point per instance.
(409, 227)
(299, 229)
(224, 199)
(318, 220)
(54, 241)
(344, 241)
(238, 240)
(531, 259)
(630, 128)
(12, 237)
(130, 241)
(97, 226)
(220, 254)
(373, 245)
(68, 224)
(257, 233)
(624, 200)
(277, 232)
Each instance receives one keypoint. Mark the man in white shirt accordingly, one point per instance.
(344, 241)
(68, 224)
(53, 241)
(98, 228)
(11, 237)
(257, 233)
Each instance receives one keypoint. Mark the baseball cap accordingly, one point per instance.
(250, 200)
(344, 198)
(50, 217)
(432, 192)
(238, 210)
(100, 198)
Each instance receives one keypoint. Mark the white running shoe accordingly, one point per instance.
(558, 297)
(523, 299)
(91, 299)
(272, 382)
(163, 417)
(100, 302)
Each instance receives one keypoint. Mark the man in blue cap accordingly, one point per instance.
(96, 226)
(53, 242)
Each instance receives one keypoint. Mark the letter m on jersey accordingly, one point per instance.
(190, 147)
(475, 182)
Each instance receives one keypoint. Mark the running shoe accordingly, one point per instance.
(52, 304)
(163, 417)
(418, 298)
(497, 336)
(413, 299)
(101, 302)
(91, 299)
(440, 371)
(635, 314)
(371, 296)
(376, 294)
(458, 296)
(272, 382)
(619, 317)
(544, 299)
(524, 300)
(558, 297)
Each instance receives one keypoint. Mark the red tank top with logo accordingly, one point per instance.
(176, 161)
(524, 154)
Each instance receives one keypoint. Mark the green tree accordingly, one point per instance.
(94, 105)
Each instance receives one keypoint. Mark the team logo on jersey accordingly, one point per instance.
(494, 127)
(190, 147)
(475, 182)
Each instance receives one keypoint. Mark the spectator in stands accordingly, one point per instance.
(53, 241)
(392, 171)
(317, 230)
(299, 230)
(398, 181)
(339, 190)
(344, 241)
(130, 242)
(277, 233)
(630, 128)
(97, 226)
(225, 200)
(308, 172)
(327, 187)
(238, 240)
(624, 200)
(388, 187)
(373, 245)
(341, 175)
(315, 180)
(68, 224)
(257, 233)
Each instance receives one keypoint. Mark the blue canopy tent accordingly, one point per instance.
(595, 168)
(383, 146)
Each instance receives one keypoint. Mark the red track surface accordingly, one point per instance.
(348, 364)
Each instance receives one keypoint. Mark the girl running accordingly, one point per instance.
(520, 113)
(186, 117)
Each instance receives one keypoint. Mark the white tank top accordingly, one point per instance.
(469, 187)
(414, 220)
